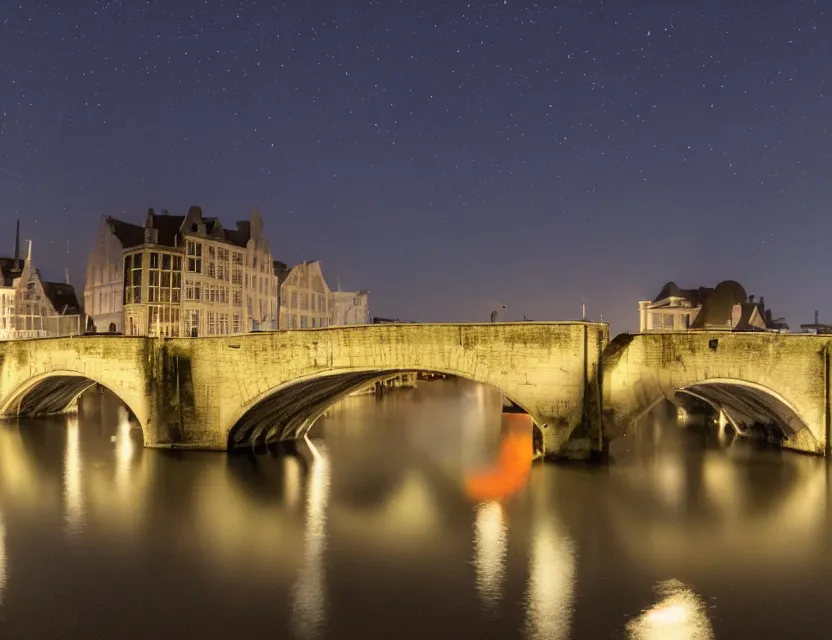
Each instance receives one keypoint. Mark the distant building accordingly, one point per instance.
(351, 307)
(31, 307)
(182, 276)
(306, 301)
(816, 327)
(104, 284)
(725, 307)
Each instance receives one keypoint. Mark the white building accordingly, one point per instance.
(183, 276)
(306, 301)
(31, 307)
(351, 307)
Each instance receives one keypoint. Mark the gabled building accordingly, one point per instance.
(31, 307)
(182, 275)
(306, 301)
(725, 307)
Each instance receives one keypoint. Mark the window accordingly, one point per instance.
(303, 321)
(304, 301)
(237, 299)
(294, 304)
(222, 254)
(237, 258)
(154, 260)
(237, 275)
(166, 262)
(314, 323)
(194, 256)
(212, 253)
(235, 326)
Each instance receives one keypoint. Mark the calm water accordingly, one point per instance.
(416, 516)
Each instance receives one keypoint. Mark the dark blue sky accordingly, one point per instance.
(444, 155)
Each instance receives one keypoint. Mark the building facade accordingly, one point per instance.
(104, 285)
(306, 301)
(185, 276)
(350, 307)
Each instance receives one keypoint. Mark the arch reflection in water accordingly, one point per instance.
(490, 544)
(551, 589)
(309, 597)
(73, 479)
(681, 614)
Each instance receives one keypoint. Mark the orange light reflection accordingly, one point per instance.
(514, 462)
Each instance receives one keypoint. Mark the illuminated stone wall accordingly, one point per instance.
(272, 386)
(209, 393)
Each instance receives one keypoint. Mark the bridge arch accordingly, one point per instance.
(56, 392)
(745, 403)
(289, 410)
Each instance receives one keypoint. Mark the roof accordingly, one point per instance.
(696, 297)
(718, 307)
(9, 270)
(62, 296)
(281, 270)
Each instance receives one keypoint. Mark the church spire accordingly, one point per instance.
(17, 242)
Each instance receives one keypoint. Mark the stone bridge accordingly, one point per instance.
(232, 391)
(581, 390)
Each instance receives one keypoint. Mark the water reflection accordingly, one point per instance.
(124, 454)
(491, 544)
(309, 591)
(378, 534)
(681, 614)
(2, 559)
(551, 587)
(73, 482)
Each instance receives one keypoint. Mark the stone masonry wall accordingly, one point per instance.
(122, 365)
(639, 370)
(545, 368)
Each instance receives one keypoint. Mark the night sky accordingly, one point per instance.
(448, 156)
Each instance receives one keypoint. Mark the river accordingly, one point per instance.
(415, 515)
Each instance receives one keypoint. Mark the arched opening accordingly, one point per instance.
(730, 408)
(288, 412)
(58, 393)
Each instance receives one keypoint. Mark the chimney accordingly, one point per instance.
(816, 316)
(762, 301)
(66, 275)
(148, 219)
(751, 298)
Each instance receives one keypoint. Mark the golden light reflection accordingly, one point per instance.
(291, 472)
(123, 453)
(681, 614)
(73, 480)
(2, 559)
(490, 546)
(309, 597)
(551, 589)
